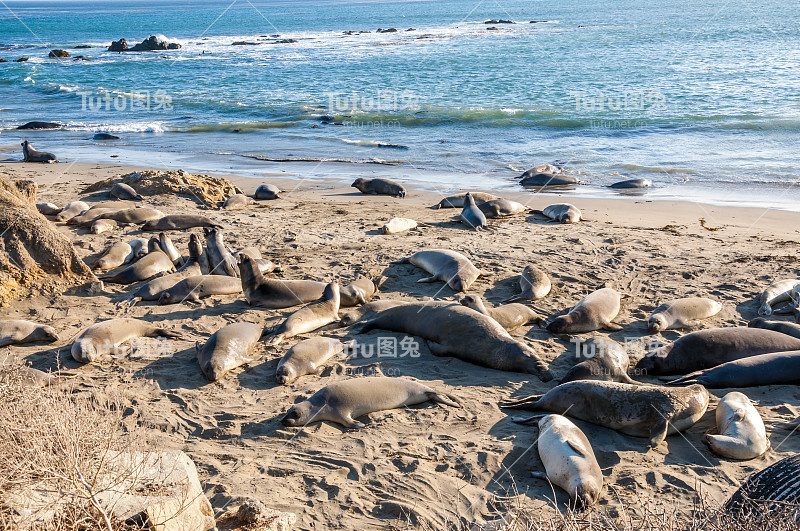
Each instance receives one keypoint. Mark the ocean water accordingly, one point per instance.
(701, 97)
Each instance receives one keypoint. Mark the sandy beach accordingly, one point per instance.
(426, 464)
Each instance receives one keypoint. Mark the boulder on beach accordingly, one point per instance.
(58, 54)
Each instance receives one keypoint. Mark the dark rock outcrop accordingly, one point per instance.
(500, 21)
(58, 54)
(82, 47)
(152, 43)
(21, 60)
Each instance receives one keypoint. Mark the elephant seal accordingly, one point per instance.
(533, 284)
(499, 208)
(71, 210)
(103, 225)
(396, 225)
(152, 290)
(509, 316)
(31, 155)
(607, 362)
(17, 332)
(569, 460)
(631, 183)
(101, 339)
(708, 348)
(450, 267)
(118, 254)
(308, 357)
(742, 434)
(682, 313)
(358, 292)
(125, 192)
(367, 311)
(179, 222)
(534, 178)
(344, 401)
(237, 202)
(272, 293)
(457, 201)
(775, 368)
(28, 376)
(220, 260)
(195, 288)
(771, 491)
(379, 187)
(641, 411)
(133, 215)
(140, 247)
(593, 312)
(47, 209)
(228, 348)
(104, 136)
(311, 317)
(471, 215)
(39, 125)
(784, 327)
(152, 264)
(563, 213)
(88, 217)
(778, 292)
(455, 330)
(168, 248)
(267, 191)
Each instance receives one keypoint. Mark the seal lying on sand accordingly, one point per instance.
(742, 434)
(455, 330)
(267, 191)
(133, 215)
(228, 348)
(31, 155)
(593, 312)
(533, 284)
(71, 210)
(367, 311)
(47, 209)
(379, 187)
(237, 202)
(682, 313)
(308, 357)
(17, 332)
(500, 208)
(124, 191)
(708, 348)
(608, 362)
(195, 288)
(457, 201)
(153, 263)
(179, 222)
(344, 401)
(775, 368)
(118, 254)
(790, 329)
(563, 213)
(778, 292)
(509, 316)
(101, 339)
(641, 411)
(152, 290)
(450, 267)
(311, 317)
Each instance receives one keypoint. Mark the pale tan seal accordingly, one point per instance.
(17, 332)
(358, 292)
(533, 284)
(641, 411)
(153, 289)
(125, 192)
(47, 209)
(133, 215)
(593, 312)
(607, 362)
(87, 217)
(450, 267)
(367, 311)
(311, 317)
(196, 287)
(178, 222)
(237, 202)
(509, 316)
(220, 259)
(741, 430)
(153, 263)
(118, 254)
(102, 339)
(103, 225)
(168, 248)
(344, 401)
(682, 313)
(500, 208)
(778, 292)
(457, 200)
(308, 357)
(569, 460)
(71, 210)
(228, 348)
(397, 225)
(563, 213)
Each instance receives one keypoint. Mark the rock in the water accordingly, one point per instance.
(58, 54)
(104, 136)
(152, 43)
(82, 47)
(118, 46)
(21, 60)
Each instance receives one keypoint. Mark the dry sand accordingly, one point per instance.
(427, 462)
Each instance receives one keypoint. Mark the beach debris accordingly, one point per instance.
(710, 229)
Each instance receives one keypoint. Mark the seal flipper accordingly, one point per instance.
(658, 433)
(433, 396)
(163, 332)
(404, 260)
(349, 422)
(528, 420)
(427, 280)
(540, 475)
(519, 403)
(437, 349)
(612, 327)
(689, 379)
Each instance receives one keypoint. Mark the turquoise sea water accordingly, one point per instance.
(703, 98)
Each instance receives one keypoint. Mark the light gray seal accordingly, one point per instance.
(103, 225)
(228, 348)
(539, 179)
(88, 217)
(179, 222)
(607, 362)
(133, 215)
(641, 411)
(168, 248)
(784, 327)
(103, 338)
(310, 317)
(344, 401)
(457, 201)
(118, 254)
(195, 288)
(71, 210)
(778, 292)
(358, 292)
(682, 313)
(775, 368)
(455, 330)
(533, 284)
(220, 260)
(152, 264)
(267, 191)
(237, 202)
(367, 311)
(740, 428)
(47, 209)
(509, 316)
(471, 215)
(593, 312)
(125, 192)
(708, 348)
(379, 187)
(632, 184)
(31, 155)
(563, 213)
(17, 332)
(569, 460)
(308, 357)
(450, 267)
(153, 289)
(500, 208)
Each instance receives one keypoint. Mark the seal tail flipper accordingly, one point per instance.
(133, 301)
(442, 398)
(274, 340)
(613, 327)
(540, 475)
(163, 332)
(689, 379)
(518, 404)
(400, 261)
(528, 420)
(658, 433)
(427, 280)
(513, 298)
